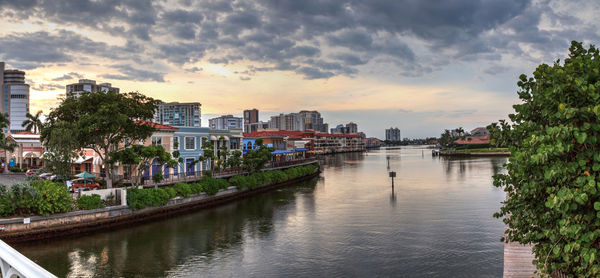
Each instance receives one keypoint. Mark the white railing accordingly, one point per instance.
(13, 264)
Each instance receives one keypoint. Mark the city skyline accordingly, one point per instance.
(431, 68)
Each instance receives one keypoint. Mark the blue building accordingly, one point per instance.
(190, 149)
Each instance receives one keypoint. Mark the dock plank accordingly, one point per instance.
(518, 261)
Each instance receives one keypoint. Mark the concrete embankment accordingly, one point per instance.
(79, 222)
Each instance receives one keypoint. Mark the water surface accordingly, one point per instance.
(347, 223)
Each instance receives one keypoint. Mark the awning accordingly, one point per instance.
(226, 138)
(213, 138)
(301, 149)
(80, 160)
(281, 152)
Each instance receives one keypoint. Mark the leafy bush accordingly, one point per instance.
(24, 197)
(239, 181)
(7, 206)
(210, 185)
(14, 169)
(196, 188)
(551, 182)
(87, 202)
(183, 189)
(52, 198)
(140, 198)
(222, 183)
(171, 192)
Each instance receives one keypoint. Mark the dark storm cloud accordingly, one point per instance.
(314, 38)
(127, 72)
(68, 76)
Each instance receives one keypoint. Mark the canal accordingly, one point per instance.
(346, 223)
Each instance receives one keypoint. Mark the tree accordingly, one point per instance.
(61, 150)
(235, 160)
(498, 134)
(33, 122)
(551, 181)
(102, 121)
(4, 143)
(256, 159)
(140, 158)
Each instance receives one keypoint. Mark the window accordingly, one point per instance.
(175, 140)
(190, 143)
(156, 140)
(127, 142)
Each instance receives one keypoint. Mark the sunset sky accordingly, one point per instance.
(419, 65)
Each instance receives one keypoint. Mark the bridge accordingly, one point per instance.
(14, 265)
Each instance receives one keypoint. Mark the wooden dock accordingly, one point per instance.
(518, 261)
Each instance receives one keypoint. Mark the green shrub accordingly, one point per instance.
(183, 189)
(239, 181)
(14, 169)
(87, 202)
(52, 198)
(24, 197)
(209, 185)
(141, 198)
(7, 206)
(222, 183)
(551, 180)
(158, 197)
(171, 192)
(196, 188)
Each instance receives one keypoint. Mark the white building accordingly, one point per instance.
(15, 98)
(178, 114)
(87, 85)
(392, 134)
(225, 122)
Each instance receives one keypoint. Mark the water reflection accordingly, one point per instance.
(151, 250)
(436, 222)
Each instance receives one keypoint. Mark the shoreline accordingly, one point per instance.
(478, 154)
(78, 223)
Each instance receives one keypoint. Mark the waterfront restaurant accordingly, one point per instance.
(27, 153)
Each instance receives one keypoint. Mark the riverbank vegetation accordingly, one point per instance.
(138, 198)
(551, 182)
(477, 150)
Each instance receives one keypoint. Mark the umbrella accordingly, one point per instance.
(85, 174)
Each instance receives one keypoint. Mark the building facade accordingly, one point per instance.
(88, 85)
(392, 134)
(313, 121)
(15, 98)
(257, 126)
(250, 117)
(178, 114)
(225, 122)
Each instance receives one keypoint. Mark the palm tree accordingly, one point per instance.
(4, 144)
(33, 122)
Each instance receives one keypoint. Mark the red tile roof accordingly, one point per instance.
(26, 133)
(158, 126)
(295, 134)
(473, 140)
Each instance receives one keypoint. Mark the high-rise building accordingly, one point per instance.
(313, 121)
(291, 121)
(351, 128)
(15, 98)
(392, 134)
(225, 122)
(178, 114)
(88, 85)
(250, 117)
(338, 129)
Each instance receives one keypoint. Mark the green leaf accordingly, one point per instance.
(597, 205)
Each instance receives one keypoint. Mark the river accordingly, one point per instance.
(347, 223)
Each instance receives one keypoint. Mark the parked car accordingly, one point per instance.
(45, 175)
(84, 183)
(31, 172)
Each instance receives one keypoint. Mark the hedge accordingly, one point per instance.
(93, 201)
(141, 198)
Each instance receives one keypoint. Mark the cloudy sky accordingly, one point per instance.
(419, 65)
